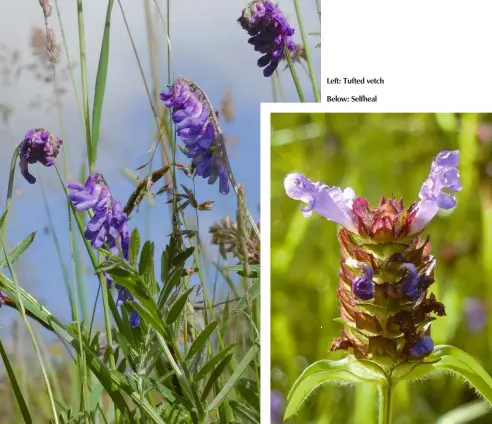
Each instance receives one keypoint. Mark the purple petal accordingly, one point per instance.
(329, 202)
(443, 175)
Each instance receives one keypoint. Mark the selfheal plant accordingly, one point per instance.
(384, 293)
(108, 227)
(41, 146)
(196, 125)
(271, 34)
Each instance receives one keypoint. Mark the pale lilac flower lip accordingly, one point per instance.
(443, 175)
(329, 202)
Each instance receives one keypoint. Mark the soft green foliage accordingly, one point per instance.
(376, 155)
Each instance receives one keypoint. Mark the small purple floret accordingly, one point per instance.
(422, 347)
(41, 146)
(363, 287)
(443, 175)
(108, 227)
(194, 125)
(270, 33)
(411, 283)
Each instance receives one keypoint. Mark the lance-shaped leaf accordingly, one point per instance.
(348, 370)
(450, 359)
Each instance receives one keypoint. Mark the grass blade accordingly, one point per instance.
(15, 386)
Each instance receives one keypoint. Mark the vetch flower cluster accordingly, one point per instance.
(195, 126)
(108, 227)
(270, 33)
(39, 145)
(386, 267)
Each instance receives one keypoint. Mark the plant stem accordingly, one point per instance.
(308, 54)
(385, 403)
(294, 75)
(85, 91)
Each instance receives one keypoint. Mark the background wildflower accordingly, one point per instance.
(270, 33)
(41, 146)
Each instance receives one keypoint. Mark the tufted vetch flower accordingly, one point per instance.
(270, 33)
(39, 145)
(108, 226)
(386, 268)
(195, 126)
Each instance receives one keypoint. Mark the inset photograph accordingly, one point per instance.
(381, 266)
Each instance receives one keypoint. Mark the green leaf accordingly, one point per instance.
(216, 373)
(212, 362)
(181, 257)
(178, 307)
(253, 293)
(172, 281)
(238, 372)
(452, 359)
(134, 246)
(95, 396)
(346, 370)
(201, 340)
(2, 218)
(102, 72)
(245, 414)
(249, 391)
(19, 249)
(146, 266)
(15, 386)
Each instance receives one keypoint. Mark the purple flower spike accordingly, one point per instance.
(330, 202)
(443, 175)
(362, 286)
(270, 33)
(41, 146)
(422, 347)
(108, 227)
(194, 124)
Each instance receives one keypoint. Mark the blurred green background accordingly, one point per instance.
(379, 154)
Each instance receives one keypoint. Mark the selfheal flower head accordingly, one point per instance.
(270, 33)
(108, 226)
(39, 145)
(195, 126)
(386, 268)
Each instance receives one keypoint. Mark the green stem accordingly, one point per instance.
(10, 189)
(294, 75)
(308, 54)
(385, 403)
(85, 91)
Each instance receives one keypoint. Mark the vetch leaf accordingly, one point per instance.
(134, 246)
(346, 370)
(236, 375)
(201, 340)
(19, 249)
(178, 307)
(212, 362)
(217, 372)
